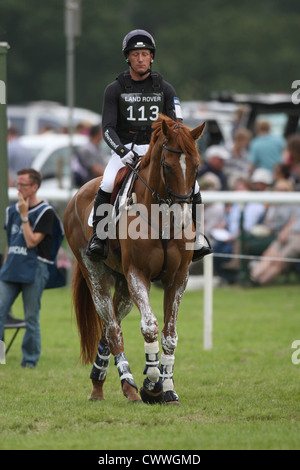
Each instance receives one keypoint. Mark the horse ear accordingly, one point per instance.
(196, 133)
(165, 129)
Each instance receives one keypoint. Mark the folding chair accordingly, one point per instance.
(10, 324)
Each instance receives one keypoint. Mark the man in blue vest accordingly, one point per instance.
(34, 234)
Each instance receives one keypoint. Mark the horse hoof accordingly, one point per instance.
(138, 400)
(175, 403)
(171, 398)
(152, 393)
(97, 390)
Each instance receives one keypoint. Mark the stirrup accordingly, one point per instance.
(97, 249)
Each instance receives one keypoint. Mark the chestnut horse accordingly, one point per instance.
(166, 177)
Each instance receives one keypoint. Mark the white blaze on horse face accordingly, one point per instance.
(182, 161)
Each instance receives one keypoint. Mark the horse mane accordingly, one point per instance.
(184, 138)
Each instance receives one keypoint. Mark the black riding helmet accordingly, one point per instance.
(138, 39)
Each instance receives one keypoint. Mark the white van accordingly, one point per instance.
(35, 116)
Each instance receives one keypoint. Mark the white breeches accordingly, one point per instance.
(114, 165)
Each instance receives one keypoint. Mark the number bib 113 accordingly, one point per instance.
(141, 109)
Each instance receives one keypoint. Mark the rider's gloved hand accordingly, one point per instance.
(129, 157)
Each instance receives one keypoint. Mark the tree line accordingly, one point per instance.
(202, 46)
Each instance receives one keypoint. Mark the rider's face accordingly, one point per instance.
(140, 60)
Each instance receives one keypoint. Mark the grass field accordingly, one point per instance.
(242, 394)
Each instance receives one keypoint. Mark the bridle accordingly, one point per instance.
(179, 198)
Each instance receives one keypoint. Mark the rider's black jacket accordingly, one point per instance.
(130, 108)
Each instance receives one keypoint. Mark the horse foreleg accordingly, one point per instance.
(139, 288)
(169, 338)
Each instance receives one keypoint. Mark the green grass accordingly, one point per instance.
(242, 394)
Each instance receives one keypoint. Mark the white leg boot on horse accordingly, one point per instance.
(99, 371)
(152, 391)
(128, 384)
(167, 366)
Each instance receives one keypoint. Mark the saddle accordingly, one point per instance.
(124, 182)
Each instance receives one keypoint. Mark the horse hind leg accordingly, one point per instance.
(129, 388)
(123, 305)
(112, 335)
(99, 371)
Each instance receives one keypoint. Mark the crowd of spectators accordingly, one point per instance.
(266, 235)
(258, 162)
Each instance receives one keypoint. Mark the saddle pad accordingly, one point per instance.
(121, 200)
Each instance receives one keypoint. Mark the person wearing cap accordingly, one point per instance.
(261, 179)
(131, 104)
(215, 157)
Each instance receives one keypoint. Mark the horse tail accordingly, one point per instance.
(88, 321)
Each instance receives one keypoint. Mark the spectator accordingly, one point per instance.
(265, 149)
(215, 158)
(227, 235)
(286, 245)
(281, 171)
(213, 212)
(237, 165)
(18, 156)
(261, 235)
(261, 179)
(293, 157)
(89, 160)
(34, 234)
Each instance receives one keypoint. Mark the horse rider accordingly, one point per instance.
(131, 104)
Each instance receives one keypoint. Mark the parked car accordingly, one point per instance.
(33, 117)
(52, 156)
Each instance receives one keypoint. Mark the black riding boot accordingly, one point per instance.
(203, 250)
(98, 248)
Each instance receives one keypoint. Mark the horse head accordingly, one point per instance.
(179, 158)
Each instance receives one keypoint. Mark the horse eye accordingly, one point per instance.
(168, 167)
